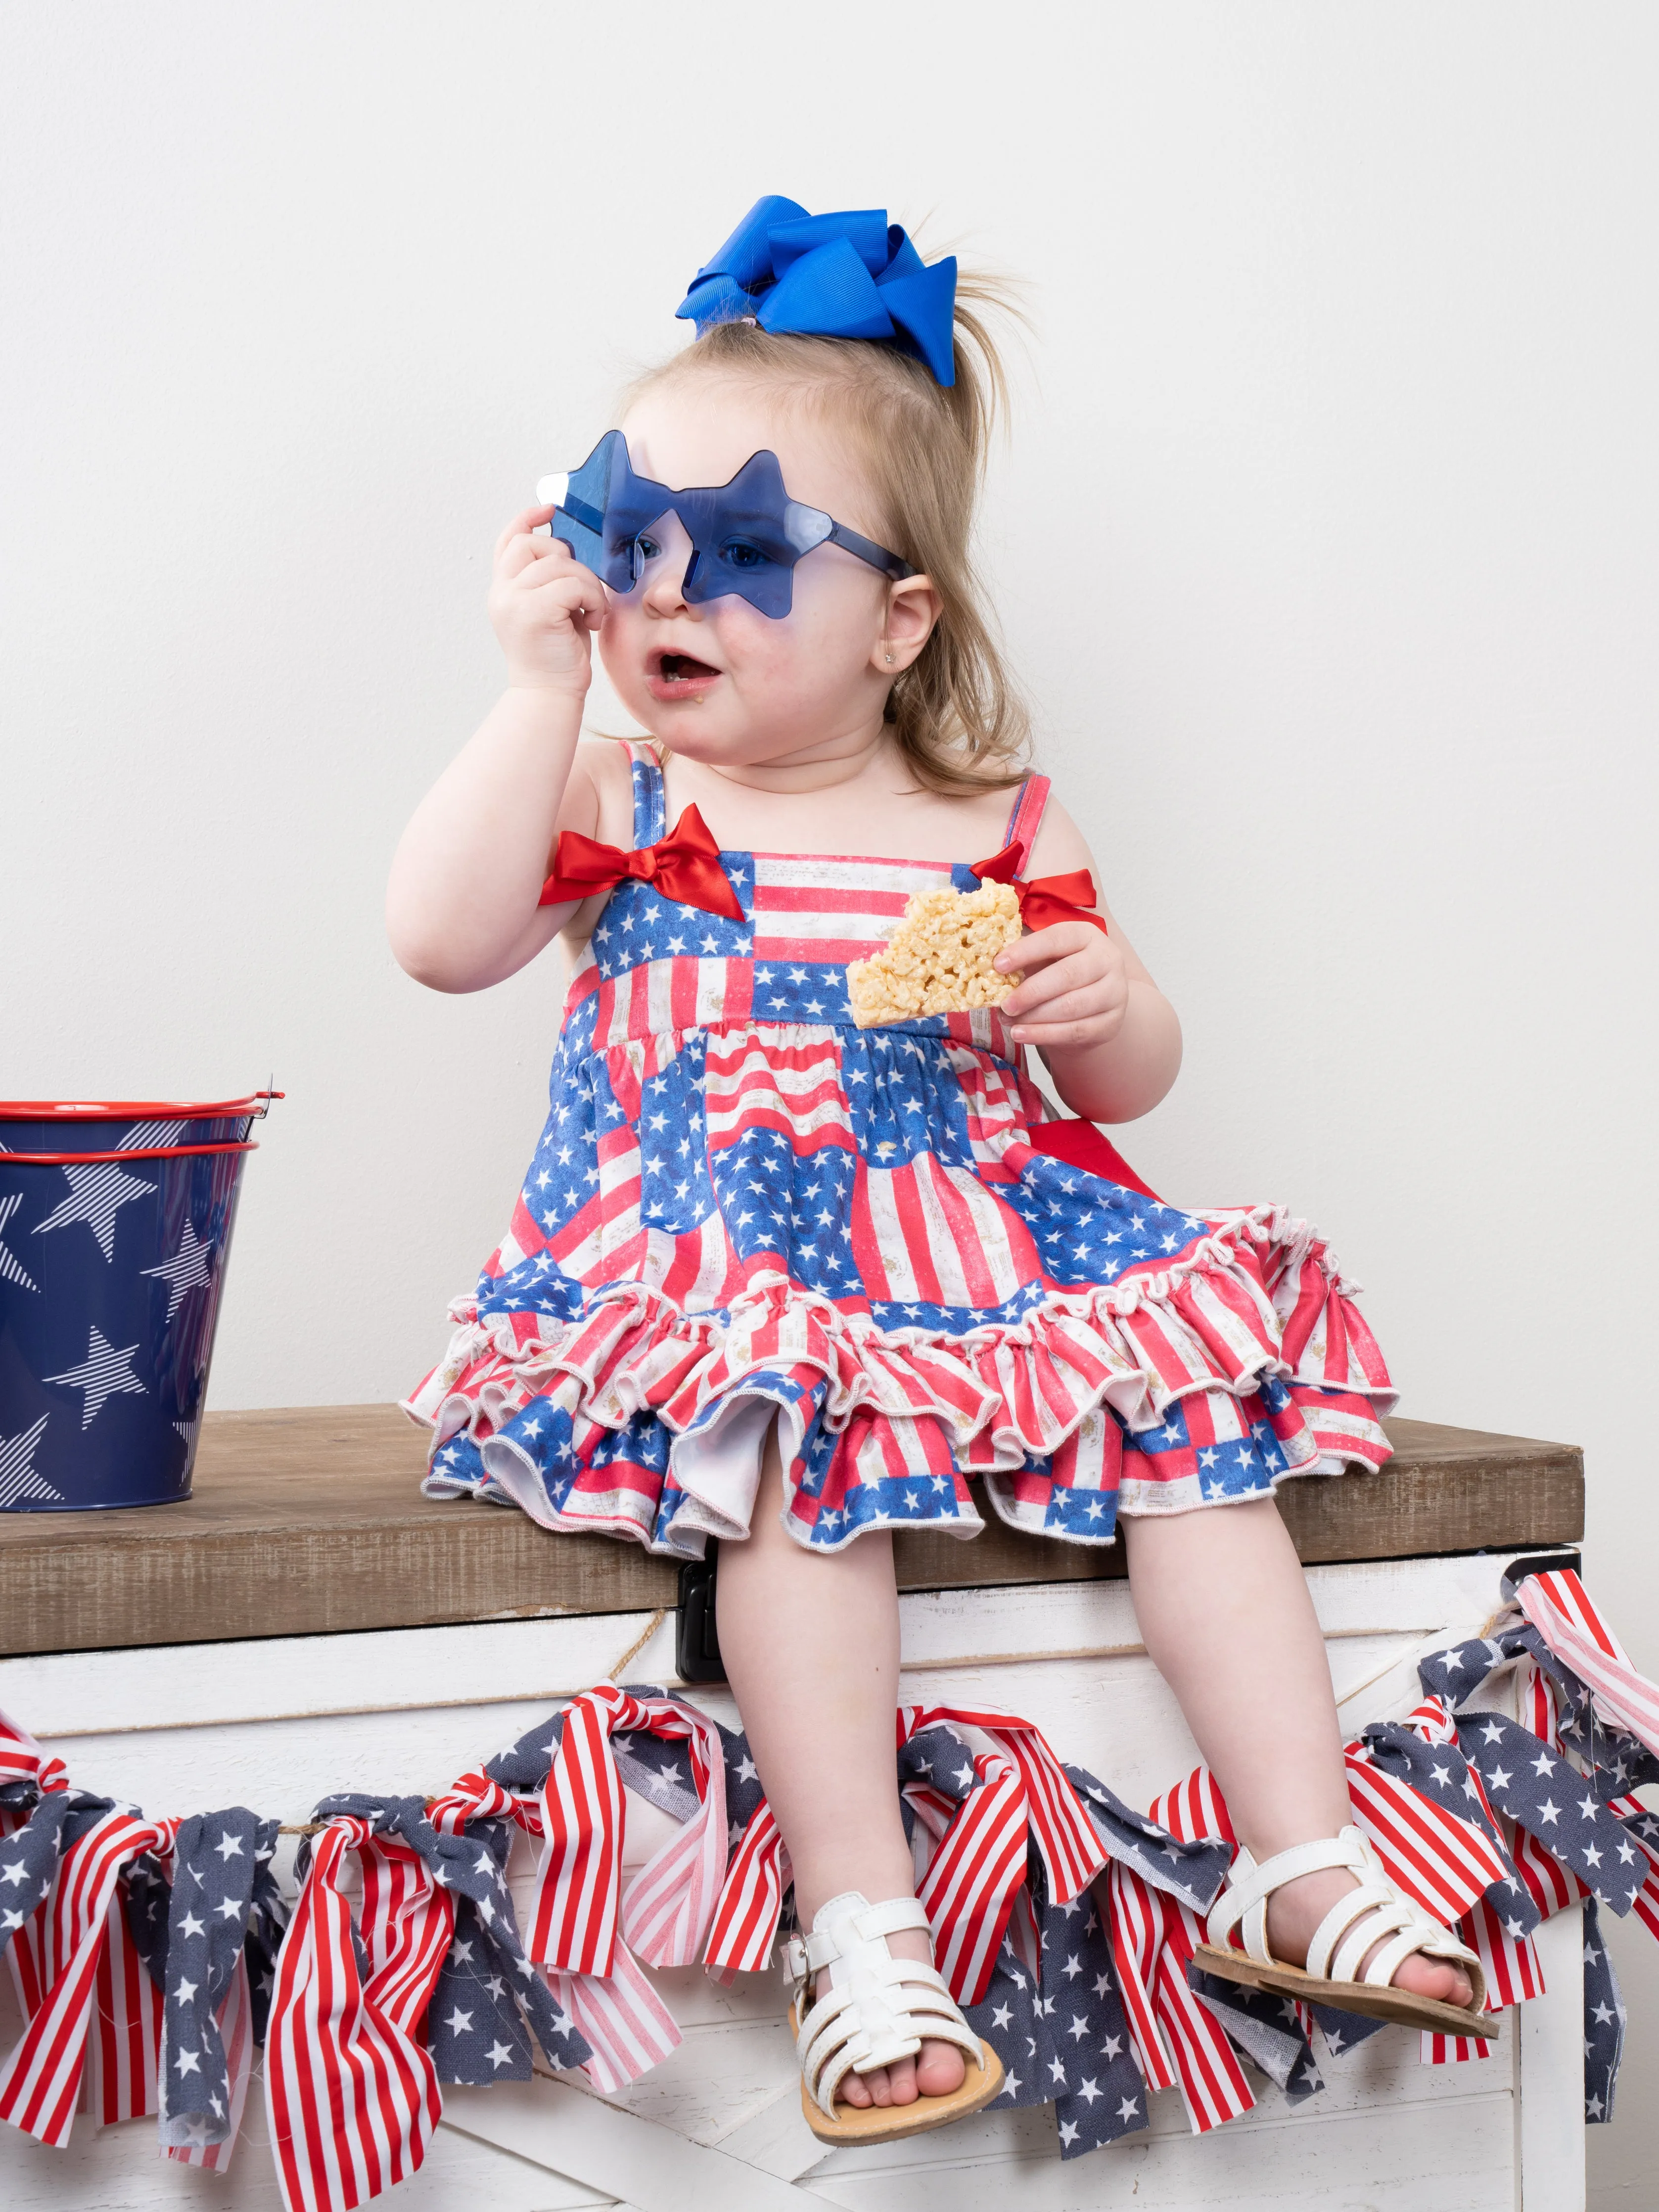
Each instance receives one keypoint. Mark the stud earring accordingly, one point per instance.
(889, 656)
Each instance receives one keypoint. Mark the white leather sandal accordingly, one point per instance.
(1375, 1913)
(876, 2009)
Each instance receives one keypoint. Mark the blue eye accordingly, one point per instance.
(738, 553)
(646, 548)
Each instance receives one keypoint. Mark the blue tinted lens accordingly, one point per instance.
(746, 535)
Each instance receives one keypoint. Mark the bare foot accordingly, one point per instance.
(1296, 1911)
(936, 2070)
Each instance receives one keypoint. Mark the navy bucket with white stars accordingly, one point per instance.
(115, 1226)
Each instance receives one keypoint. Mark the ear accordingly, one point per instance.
(913, 608)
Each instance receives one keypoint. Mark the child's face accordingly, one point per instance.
(719, 682)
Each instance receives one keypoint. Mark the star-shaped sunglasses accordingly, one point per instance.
(746, 535)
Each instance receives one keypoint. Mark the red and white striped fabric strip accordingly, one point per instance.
(578, 1884)
(673, 1899)
(1453, 2049)
(628, 2026)
(1440, 1861)
(1192, 1809)
(1137, 1936)
(1212, 2083)
(125, 2049)
(236, 2032)
(40, 2082)
(1153, 1938)
(745, 1922)
(1073, 1853)
(971, 1880)
(1559, 1608)
(1508, 1960)
(351, 2095)
(22, 1758)
(474, 1796)
(582, 1927)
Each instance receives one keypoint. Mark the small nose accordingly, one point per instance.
(670, 570)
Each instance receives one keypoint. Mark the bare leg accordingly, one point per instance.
(811, 1651)
(1227, 1618)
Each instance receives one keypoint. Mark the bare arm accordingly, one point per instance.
(461, 911)
(1109, 1037)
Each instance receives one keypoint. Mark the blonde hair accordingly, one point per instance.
(958, 720)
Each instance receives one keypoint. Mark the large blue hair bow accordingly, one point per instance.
(846, 276)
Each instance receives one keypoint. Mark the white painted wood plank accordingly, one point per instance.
(1550, 2118)
(643, 2165)
(1363, 2162)
(120, 2170)
(486, 1665)
(381, 1670)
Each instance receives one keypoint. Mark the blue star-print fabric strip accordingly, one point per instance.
(1532, 1784)
(1194, 1871)
(1062, 2035)
(659, 1768)
(214, 1860)
(1604, 2021)
(268, 1918)
(1617, 1762)
(485, 1948)
(29, 1859)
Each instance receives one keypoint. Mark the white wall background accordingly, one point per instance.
(1326, 543)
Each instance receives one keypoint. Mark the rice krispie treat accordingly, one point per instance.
(938, 961)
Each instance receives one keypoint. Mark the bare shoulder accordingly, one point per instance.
(599, 796)
(1061, 846)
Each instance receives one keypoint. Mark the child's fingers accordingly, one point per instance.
(1043, 945)
(520, 553)
(1088, 1003)
(521, 525)
(1073, 972)
(1045, 1035)
(561, 577)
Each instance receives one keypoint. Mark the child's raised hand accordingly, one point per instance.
(1076, 990)
(543, 605)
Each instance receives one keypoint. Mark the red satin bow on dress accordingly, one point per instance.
(685, 866)
(1043, 899)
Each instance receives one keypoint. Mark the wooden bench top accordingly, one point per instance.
(309, 1519)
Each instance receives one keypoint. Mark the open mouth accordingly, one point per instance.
(678, 675)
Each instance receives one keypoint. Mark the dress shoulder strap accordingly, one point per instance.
(1026, 819)
(650, 803)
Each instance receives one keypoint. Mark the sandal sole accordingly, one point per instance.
(881, 2123)
(1400, 2007)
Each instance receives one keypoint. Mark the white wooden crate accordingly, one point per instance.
(718, 2128)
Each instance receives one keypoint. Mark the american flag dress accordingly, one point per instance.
(743, 1207)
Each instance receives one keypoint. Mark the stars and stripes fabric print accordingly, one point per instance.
(739, 1197)
(488, 1999)
(215, 1858)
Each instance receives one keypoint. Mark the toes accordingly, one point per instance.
(1434, 1978)
(853, 2090)
(940, 2069)
(902, 2082)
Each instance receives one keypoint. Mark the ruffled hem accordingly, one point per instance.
(1201, 1381)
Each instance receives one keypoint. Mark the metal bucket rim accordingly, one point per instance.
(135, 1152)
(133, 1109)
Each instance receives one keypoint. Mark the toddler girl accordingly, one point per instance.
(787, 1282)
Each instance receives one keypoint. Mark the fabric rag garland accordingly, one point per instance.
(159, 1953)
